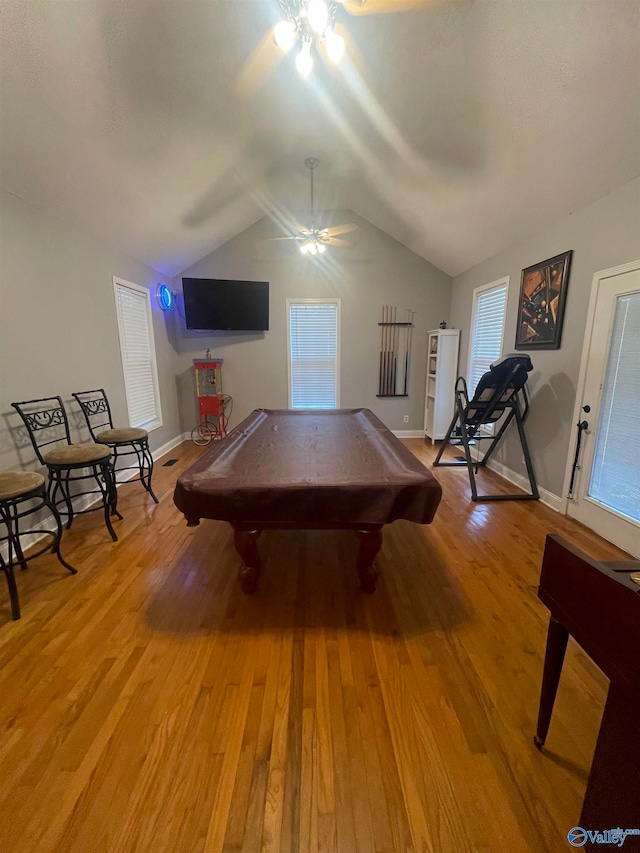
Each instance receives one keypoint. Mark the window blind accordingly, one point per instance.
(313, 354)
(615, 473)
(486, 332)
(138, 356)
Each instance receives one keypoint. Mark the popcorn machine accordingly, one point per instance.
(212, 403)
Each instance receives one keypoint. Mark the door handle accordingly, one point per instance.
(583, 426)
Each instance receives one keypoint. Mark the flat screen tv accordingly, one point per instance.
(211, 304)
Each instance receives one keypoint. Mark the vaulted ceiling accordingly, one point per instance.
(457, 129)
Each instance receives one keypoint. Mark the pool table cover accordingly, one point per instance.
(295, 466)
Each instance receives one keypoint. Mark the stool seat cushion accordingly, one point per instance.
(115, 436)
(76, 454)
(16, 483)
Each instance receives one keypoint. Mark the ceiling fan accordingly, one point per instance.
(312, 23)
(314, 241)
(381, 7)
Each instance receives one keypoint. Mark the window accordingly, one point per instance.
(135, 328)
(615, 477)
(314, 332)
(487, 328)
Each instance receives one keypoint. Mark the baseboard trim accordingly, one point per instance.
(546, 497)
(169, 445)
(408, 433)
(84, 502)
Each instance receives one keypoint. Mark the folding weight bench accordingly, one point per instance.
(500, 391)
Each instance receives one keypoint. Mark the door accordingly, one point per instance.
(606, 481)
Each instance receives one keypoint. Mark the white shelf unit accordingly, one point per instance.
(442, 372)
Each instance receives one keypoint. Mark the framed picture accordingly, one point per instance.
(543, 293)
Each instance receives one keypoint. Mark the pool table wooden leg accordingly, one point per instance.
(246, 542)
(370, 542)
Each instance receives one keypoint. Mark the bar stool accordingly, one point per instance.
(97, 413)
(47, 424)
(23, 493)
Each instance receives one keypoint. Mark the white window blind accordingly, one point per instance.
(313, 353)
(138, 354)
(487, 327)
(615, 474)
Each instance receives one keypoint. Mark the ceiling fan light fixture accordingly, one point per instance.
(311, 22)
(304, 60)
(284, 35)
(318, 15)
(314, 240)
(335, 45)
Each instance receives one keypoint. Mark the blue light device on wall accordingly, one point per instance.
(164, 296)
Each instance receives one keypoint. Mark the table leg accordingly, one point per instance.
(246, 542)
(557, 637)
(612, 798)
(370, 542)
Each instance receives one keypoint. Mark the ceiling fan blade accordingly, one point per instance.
(273, 239)
(379, 7)
(336, 241)
(336, 230)
(259, 65)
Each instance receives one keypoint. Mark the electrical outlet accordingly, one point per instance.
(406, 419)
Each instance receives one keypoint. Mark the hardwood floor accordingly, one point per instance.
(148, 705)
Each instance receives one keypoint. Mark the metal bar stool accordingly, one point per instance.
(23, 493)
(123, 441)
(47, 424)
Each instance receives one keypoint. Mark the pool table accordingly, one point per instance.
(302, 470)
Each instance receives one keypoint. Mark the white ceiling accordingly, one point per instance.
(468, 126)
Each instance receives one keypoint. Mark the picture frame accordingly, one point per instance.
(543, 294)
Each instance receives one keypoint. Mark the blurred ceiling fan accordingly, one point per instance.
(380, 7)
(314, 241)
(312, 23)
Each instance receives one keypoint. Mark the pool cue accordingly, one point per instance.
(389, 352)
(394, 362)
(406, 359)
(406, 355)
(396, 351)
(382, 353)
(381, 356)
(385, 331)
(390, 375)
(382, 349)
(386, 351)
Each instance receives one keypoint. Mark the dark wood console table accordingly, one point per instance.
(599, 605)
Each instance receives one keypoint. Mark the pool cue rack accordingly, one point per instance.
(395, 349)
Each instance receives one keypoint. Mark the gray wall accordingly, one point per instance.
(375, 271)
(58, 330)
(58, 327)
(602, 235)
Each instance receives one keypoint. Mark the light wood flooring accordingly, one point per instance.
(146, 704)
